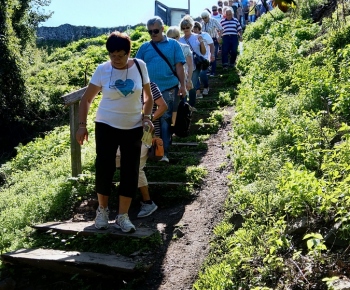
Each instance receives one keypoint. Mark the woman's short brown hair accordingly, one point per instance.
(118, 41)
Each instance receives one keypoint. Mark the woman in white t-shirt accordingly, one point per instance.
(209, 55)
(174, 32)
(118, 123)
(197, 46)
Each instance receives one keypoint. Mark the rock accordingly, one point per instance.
(7, 284)
(299, 226)
(339, 284)
(178, 233)
(237, 220)
(67, 32)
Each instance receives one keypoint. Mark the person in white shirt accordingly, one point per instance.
(215, 14)
(209, 55)
(174, 33)
(118, 124)
(197, 47)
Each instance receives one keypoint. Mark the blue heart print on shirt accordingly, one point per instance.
(125, 87)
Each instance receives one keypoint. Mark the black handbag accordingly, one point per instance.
(200, 62)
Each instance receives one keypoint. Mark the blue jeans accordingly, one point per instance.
(242, 21)
(252, 18)
(203, 78)
(213, 63)
(192, 92)
(229, 46)
(165, 119)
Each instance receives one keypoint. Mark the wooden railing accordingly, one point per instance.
(72, 100)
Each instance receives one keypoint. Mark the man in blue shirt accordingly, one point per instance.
(162, 73)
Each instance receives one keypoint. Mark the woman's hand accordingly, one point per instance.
(189, 85)
(81, 135)
(182, 91)
(147, 125)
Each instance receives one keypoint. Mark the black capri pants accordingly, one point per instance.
(108, 139)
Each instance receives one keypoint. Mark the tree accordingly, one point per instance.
(18, 20)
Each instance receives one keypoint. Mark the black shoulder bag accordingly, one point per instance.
(164, 57)
(200, 62)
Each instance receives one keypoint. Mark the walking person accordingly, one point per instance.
(214, 29)
(197, 46)
(231, 36)
(118, 124)
(174, 33)
(159, 108)
(252, 12)
(209, 55)
(164, 59)
(215, 14)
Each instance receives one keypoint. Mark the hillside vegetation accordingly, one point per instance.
(289, 149)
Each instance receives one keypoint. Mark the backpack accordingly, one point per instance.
(156, 152)
(183, 120)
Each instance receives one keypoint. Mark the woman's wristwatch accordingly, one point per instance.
(150, 117)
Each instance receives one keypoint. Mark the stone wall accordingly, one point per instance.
(69, 32)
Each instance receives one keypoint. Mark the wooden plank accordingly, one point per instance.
(166, 183)
(75, 147)
(184, 143)
(152, 166)
(88, 228)
(74, 97)
(71, 261)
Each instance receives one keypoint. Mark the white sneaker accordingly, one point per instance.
(101, 220)
(205, 91)
(123, 222)
(200, 96)
(164, 158)
(147, 209)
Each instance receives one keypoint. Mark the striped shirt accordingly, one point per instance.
(231, 27)
(156, 94)
(212, 27)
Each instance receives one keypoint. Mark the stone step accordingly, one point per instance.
(73, 262)
(88, 228)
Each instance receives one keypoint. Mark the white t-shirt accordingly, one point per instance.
(194, 44)
(217, 17)
(120, 106)
(207, 40)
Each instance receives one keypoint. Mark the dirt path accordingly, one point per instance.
(178, 260)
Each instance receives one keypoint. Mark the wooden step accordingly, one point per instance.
(88, 228)
(184, 143)
(166, 183)
(86, 263)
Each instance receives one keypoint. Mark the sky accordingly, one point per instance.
(112, 13)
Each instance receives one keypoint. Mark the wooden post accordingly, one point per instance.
(72, 100)
(75, 149)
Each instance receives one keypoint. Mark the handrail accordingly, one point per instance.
(72, 100)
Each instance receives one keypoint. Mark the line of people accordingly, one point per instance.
(245, 11)
(163, 72)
